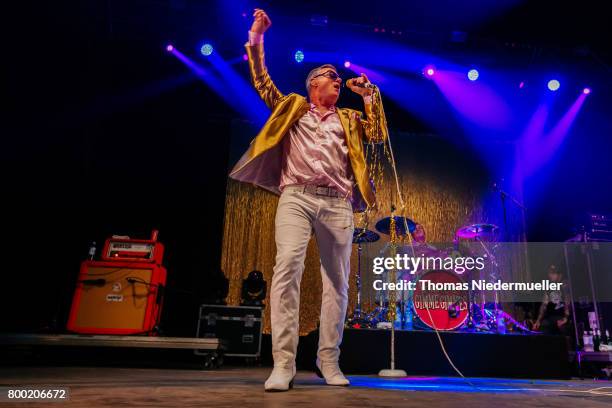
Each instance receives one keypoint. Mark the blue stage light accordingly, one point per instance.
(473, 74)
(206, 49)
(553, 85)
(299, 56)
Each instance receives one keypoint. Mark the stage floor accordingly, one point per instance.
(243, 387)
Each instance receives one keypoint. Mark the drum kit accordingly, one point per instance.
(422, 308)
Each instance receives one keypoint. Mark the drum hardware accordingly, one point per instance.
(494, 317)
(392, 371)
(384, 226)
(466, 312)
(453, 310)
(477, 231)
(482, 319)
(360, 236)
(378, 315)
(503, 196)
(396, 227)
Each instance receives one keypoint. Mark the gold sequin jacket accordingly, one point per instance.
(261, 164)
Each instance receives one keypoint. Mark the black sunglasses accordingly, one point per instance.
(330, 74)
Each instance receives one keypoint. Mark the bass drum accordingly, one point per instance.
(447, 301)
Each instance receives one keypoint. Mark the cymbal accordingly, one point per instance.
(361, 235)
(477, 231)
(384, 225)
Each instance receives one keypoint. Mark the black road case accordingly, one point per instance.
(239, 327)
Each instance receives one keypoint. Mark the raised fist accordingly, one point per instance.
(261, 22)
(353, 83)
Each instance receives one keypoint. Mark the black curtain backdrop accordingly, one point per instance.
(104, 136)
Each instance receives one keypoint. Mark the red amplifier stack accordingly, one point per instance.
(123, 293)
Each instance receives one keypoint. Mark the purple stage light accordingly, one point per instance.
(586, 91)
(245, 57)
(429, 71)
(522, 85)
(475, 101)
(169, 47)
(347, 64)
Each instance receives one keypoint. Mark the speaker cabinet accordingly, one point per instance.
(117, 298)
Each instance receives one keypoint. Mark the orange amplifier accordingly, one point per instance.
(119, 296)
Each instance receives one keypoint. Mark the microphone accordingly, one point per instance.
(351, 82)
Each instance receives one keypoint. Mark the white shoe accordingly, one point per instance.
(331, 372)
(281, 379)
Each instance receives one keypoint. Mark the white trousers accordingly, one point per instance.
(298, 215)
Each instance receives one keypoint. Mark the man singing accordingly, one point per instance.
(311, 153)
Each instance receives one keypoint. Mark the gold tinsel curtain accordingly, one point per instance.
(248, 239)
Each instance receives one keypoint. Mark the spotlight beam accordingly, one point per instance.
(527, 145)
(556, 136)
(241, 90)
(475, 101)
(375, 77)
(537, 149)
(415, 96)
(209, 78)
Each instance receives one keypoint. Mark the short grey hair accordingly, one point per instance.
(315, 72)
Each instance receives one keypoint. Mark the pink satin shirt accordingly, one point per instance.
(315, 153)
